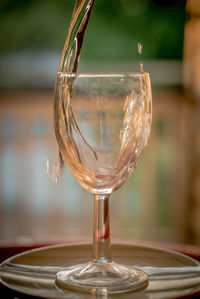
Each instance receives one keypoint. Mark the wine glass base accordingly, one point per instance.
(102, 278)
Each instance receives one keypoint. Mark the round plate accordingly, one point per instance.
(171, 275)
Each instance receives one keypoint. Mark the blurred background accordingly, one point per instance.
(161, 201)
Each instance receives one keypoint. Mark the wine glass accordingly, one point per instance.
(102, 124)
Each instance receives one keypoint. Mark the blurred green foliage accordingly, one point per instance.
(114, 30)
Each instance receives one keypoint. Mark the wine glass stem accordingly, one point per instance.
(101, 229)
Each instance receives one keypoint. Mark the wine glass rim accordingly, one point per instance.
(102, 74)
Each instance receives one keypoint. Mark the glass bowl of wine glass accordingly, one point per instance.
(102, 125)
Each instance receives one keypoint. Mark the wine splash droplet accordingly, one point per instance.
(46, 165)
(139, 48)
(52, 170)
(54, 174)
(140, 52)
(141, 67)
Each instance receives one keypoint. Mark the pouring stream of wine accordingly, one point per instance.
(70, 58)
(69, 63)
